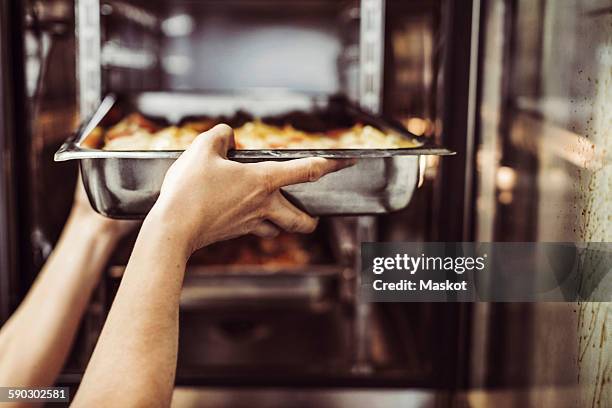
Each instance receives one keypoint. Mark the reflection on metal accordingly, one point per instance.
(37, 49)
(115, 55)
(131, 13)
(432, 167)
(288, 397)
(89, 67)
(488, 154)
(177, 64)
(534, 135)
(372, 35)
(422, 168)
(548, 60)
(178, 25)
(366, 232)
(471, 120)
(409, 91)
(506, 178)
(505, 197)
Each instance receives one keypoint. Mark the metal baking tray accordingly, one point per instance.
(126, 184)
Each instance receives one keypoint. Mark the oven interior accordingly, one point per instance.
(281, 311)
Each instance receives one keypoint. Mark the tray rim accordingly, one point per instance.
(71, 150)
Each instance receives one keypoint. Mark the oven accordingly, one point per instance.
(286, 312)
(258, 322)
(280, 312)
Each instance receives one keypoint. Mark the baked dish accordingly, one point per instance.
(285, 250)
(135, 132)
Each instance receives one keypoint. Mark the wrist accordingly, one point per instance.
(83, 242)
(159, 225)
(92, 230)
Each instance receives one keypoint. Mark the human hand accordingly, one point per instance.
(207, 198)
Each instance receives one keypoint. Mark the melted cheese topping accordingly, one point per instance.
(254, 135)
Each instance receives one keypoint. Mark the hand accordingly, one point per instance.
(207, 198)
(84, 215)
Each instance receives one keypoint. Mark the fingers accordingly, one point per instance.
(285, 215)
(266, 230)
(279, 174)
(219, 139)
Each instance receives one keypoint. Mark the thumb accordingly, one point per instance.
(219, 139)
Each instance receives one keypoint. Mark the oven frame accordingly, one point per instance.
(16, 271)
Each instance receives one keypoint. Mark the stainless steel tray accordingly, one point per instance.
(125, 184)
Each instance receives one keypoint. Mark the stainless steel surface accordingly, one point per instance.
(256, 44)
(362, 327)
(371, 53)
(544, 118)
(125, 184)
(185, 397)
(128, 188)
(89, 67)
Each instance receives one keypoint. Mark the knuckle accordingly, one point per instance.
(315, 171)
(251, 225)
(267, 182)
(245, 227)
(237, 170)
(260, 213)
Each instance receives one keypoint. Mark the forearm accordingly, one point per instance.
(134, 361)
(35, 342)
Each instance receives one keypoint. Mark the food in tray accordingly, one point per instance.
(285, 250)
(135, 132)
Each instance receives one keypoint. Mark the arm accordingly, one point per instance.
(35, 341)
(204, 198)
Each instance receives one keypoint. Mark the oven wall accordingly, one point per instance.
(240, 48)
(228, 45)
